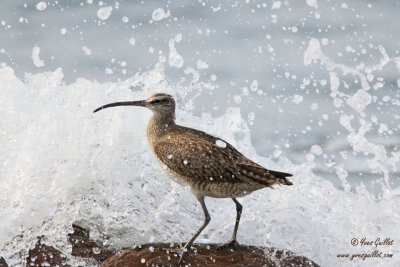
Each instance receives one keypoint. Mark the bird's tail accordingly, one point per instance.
(281, 176)
(260, 175)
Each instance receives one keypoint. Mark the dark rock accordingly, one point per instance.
(3, 262)
(43, 255)
(207, 255)
(83, 247)
(160, 254)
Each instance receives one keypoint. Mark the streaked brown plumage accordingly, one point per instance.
(209, 166)
(216, 171)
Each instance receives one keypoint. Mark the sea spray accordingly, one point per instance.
(62, 164)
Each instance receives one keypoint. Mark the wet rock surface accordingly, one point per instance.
(206, 255)
(44, 255)
(84, 247)
(3, 262)
(159, 254)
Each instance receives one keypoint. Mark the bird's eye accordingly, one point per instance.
(158, 101)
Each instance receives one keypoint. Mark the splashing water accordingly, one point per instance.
(35, 57)
(65, 164)
(104, 13)
(175, 59)
(41, 6)
(159, 14)
(358, 101)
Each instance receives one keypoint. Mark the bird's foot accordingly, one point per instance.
(183, 254)
(229, 244)
(186, 249)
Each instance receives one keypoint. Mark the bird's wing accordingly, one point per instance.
(199, 155)
(193, 156)
(244, 167)
(212, 139)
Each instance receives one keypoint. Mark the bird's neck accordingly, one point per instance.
(159, 125)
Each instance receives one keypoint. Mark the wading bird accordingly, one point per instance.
(208, 165)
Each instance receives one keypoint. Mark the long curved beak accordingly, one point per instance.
(141, 103)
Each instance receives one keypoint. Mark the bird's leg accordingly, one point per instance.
(207, 219)
(233, 241)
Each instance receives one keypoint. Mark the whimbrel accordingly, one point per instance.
(208, 165)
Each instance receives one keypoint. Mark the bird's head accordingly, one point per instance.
(160, 104)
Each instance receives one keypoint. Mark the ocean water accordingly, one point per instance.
(308, 87)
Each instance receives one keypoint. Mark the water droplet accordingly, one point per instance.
(86, 50)
(104, 12)
(96, 250)
(316, 149)
(125, 19)
(132, 41)
(158, 14)
(297, 99)
(254, 86)
(220, 143)
(237, 99)
(41, 6)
